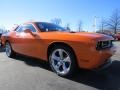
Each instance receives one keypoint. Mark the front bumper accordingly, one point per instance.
(97, 59)
(106, 64)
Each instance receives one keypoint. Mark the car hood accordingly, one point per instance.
(95, 36)
(76, 36)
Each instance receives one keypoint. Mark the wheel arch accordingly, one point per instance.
(52, 45)
(4, 40)
(7, 41)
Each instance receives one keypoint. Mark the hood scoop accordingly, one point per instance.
(72, 32)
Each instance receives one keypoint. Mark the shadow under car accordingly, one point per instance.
(108, 79)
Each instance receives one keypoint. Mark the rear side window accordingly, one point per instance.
(30, 27)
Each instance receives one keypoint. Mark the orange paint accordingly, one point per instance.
(83, 45)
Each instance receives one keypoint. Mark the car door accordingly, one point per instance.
(21, 41)
(31, 45)
(17, 39)
(26, 43)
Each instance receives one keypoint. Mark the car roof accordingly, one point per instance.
(34, 22)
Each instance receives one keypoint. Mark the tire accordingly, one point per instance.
(8, 49)
(62, 61)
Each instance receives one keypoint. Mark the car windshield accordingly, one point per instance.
(43, 26)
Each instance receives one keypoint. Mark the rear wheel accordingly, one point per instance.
(8, 50)
(62, 61)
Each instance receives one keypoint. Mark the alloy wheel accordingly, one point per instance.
(60, 61)
(8, 49)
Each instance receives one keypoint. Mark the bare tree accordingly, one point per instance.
(56, 21)
(102, 25)
(80, 26)
(114, 21)
(67, 27)
(2, 29)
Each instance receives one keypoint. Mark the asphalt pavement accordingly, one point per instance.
(24, 73)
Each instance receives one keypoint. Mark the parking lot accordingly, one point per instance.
(23, 73)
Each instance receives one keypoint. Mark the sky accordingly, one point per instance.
(70, 11)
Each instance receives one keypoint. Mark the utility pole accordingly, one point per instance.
(95, 23)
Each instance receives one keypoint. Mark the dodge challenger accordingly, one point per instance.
(64, 51)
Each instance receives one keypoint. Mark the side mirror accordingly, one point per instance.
(29, 31)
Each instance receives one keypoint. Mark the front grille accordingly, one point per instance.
(104, 45)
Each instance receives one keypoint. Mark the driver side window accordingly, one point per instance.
(30, 27)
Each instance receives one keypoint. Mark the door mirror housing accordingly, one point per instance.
(29, 31)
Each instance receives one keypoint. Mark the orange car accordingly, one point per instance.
(62, 49)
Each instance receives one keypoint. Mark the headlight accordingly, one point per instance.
(104, 44)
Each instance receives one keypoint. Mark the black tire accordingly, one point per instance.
(9, 51)
(73, 65)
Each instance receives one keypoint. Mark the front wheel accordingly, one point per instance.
(8, 50)
(62, 61)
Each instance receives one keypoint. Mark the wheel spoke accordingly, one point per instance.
(57, 67)
(8, 49)
(64, 68)
(60, 53)
(59, 64)
(67, 59)
(54, 57)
